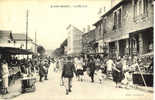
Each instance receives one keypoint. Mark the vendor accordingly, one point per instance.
(5, 75)
(150, 68)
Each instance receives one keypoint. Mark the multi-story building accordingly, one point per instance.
(6, 39)
(88, 41)
(127, 28)
(99, 36)
(20, 42)
(74, 40)
(13, 44)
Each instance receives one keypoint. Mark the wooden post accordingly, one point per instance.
(27, 15)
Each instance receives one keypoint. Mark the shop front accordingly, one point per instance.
(141, 45)
(118, 45)
(141, 42)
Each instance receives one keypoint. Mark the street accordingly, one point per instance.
(51, 90)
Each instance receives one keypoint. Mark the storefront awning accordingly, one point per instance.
(14, 51)
(116, 37)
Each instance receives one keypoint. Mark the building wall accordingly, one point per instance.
(130, 22)
(87, 41)
(22, 44)
(74, 41)
(126, 18)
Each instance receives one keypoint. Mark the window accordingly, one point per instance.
(140, 7)
(145, 8)
(104, 25)
(115, 20)
(119, 18)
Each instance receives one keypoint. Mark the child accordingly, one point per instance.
(99, 75)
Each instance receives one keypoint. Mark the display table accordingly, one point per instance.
(148, 77)
(28, 84)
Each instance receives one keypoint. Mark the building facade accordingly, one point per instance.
(88, 41)
(127, 28)
(74, 40)
(6, 39)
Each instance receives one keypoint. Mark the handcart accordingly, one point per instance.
(28, 84)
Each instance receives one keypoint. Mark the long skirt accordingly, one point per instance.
(5, 82)
(117, 76)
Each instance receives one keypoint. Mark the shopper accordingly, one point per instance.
(42, 71)
(117, 73)
(5, 75)
(68, 73)
(109, 65)
(79, 67)
(91, 65)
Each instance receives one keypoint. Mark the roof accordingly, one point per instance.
(109, 11)
(20, 37)
(4, 33)
(74, 28)
(113, 8)
(35, 44)
(98, 22)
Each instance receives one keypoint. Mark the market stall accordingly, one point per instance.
(11, 55)
(144, 74)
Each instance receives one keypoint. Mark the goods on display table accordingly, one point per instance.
(144, 74)
(28, 83)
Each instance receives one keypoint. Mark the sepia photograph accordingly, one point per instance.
(76, 49)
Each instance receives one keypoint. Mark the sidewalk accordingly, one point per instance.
(141, 88)
(14, 91)
(146, 89)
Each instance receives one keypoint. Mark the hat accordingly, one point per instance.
(69, 58)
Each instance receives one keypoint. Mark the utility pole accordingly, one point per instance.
(27, 15)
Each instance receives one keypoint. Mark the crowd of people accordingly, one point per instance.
(86, 69)
(98, 69)
(13, 68)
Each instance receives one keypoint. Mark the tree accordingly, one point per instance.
(60, 51)
(41, 50)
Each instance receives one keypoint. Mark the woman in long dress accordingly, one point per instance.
(117, 73)
(79, 67)
(5, 75)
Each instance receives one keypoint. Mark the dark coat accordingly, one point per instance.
(118, 76)
(68, 70)
(92, 68)
(42, 71)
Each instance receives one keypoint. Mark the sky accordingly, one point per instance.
(48, 19)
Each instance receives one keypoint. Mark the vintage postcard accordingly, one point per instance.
(76, 49)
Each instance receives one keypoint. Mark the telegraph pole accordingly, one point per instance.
(27, 15)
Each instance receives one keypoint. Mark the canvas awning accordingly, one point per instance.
(14, 51)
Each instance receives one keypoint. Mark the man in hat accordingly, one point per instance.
(68, 70)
